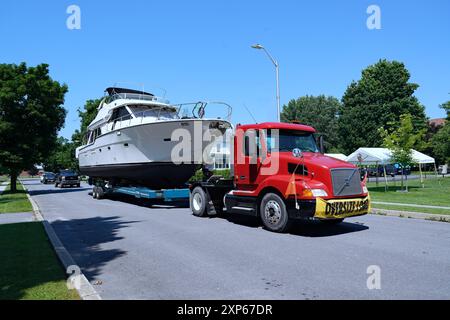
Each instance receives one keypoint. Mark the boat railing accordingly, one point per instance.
(164, 112)
(198, 110)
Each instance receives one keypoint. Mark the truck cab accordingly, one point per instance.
(279, 175)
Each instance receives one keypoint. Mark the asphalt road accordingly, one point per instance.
(136, 252)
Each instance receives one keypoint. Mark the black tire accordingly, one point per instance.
(332, 222)
(94, 192)
(56, 184)
(198, 202)
(100, 193)
(273, 213)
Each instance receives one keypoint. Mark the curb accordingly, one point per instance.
(85, 289)
(411, 214)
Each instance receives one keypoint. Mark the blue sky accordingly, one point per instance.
(200, 50)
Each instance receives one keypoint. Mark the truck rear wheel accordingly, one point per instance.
(273, 213)
(198, 202)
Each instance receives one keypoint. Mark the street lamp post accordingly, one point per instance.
(275, 63)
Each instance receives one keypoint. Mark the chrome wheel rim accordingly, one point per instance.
(272, 212)
(197, 201)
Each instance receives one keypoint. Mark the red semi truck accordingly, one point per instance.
(280, 174)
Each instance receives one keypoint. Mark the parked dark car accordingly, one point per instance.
(407, 171)
(67, 178)
(48, 177)
(374, 171)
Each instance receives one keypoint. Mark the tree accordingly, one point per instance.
(63, 157)
(402, 140)
(377, 100)
(319, 112)
(440, 142)
(31, 114)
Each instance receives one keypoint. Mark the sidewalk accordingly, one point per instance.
(17, 217)
(410, 205)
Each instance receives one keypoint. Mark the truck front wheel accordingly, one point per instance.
(198, 202)
(273, 213)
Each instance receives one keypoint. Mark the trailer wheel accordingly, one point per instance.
(98, 193)
(273, 213)
(198, 201)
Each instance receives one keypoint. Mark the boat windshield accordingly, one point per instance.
(163, 112)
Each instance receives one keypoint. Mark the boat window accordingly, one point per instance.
(120, 114)
(94, 134)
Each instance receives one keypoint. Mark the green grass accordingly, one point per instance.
(3, 178)
(435, 193)
(15, 202)
(29, 268)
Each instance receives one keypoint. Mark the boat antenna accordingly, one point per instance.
(251, 115)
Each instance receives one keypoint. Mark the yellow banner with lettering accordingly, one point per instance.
(341, 208)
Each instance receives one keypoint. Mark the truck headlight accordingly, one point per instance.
(365, 190)
(319, 193)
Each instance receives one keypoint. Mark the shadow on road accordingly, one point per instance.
(87, 241)
(316, 229)
(300, 228)
(55, 190)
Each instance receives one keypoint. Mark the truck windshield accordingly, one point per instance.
(289, 140)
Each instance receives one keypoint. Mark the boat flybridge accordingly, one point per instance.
(140, 138)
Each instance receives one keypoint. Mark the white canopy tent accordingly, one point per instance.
(421, 158)
(370, 156)
(339, 156)
(382, 156)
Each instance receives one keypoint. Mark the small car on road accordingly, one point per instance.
(48, 177)
(67, 178)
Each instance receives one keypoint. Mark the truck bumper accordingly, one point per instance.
(328, 209)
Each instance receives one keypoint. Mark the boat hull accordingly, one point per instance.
(144, 154)
(159, 175)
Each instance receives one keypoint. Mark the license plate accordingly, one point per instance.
(336, 209)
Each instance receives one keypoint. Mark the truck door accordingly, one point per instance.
(246, 159)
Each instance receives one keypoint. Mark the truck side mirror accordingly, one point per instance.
(321, 144)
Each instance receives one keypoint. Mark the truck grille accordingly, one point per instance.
(346, 182)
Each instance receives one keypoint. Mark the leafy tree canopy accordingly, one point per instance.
(319, 112)
(31, 114)
(63, 156)
(440, 142)
(378, 99)
(402, 140)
